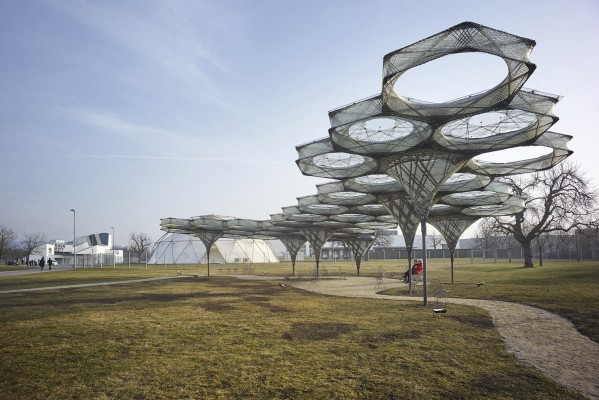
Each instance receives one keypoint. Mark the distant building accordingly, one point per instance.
(397, 248)
(283, 254)
(92, 250)
(466, 243)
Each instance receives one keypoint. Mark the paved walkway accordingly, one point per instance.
(542, 340)
(87, 285)
(34, 270)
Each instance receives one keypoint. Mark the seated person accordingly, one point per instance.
(417, 268)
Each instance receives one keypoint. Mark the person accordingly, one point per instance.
(42, 263)
(50, 261)
(417, 268)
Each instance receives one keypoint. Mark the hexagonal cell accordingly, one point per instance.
(489, 124)
(338, 160)
(382, 129)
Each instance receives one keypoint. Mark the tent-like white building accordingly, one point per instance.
(178, 248)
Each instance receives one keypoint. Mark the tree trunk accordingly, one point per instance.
(527, 255)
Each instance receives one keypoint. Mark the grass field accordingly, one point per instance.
(197, 337)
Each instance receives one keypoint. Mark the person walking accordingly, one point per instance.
(50, 261)
(42, 263)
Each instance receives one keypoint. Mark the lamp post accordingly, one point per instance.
(113, 259)
(74, 249)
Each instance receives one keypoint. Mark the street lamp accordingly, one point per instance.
(113, 259)
(74, 251)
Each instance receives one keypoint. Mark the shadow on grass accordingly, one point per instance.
(317, 331)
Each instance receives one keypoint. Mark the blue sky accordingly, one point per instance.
(131, 111)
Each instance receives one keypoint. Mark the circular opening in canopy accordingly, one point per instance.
(489, 124)
(373, 207)
(514, 155)
(380, 129)
(347, 195)
(338, 160)
(324, 207)
(474, 195)
(352, 217)
(306, 217)
(460, 177)
(376, 179)
(440, 207)
(452, 77)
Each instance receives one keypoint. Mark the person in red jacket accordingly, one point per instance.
(417, 268)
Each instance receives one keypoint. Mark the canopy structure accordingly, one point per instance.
(407, 152)
(394, 160)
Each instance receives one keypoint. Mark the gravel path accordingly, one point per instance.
(87, 285)
(542, 340)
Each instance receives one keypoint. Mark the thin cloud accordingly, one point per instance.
(173, 158)
(112, 124)
(145, 157)
(166, 35)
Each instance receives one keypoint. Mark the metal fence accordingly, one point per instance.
(488, 255)
(89, 260)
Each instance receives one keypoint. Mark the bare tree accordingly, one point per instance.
(7, 240)
(485, 235)
(384, 238)
(139, 243)
(434, 240)
(587, 242)
(30, 242)
(542, 241)
(506, 243)
(558, 200)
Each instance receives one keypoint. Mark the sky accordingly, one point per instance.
(131, 111)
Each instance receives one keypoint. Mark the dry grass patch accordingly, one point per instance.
(222, 338)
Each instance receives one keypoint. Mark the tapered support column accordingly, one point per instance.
(293, 245)
(452, 256)
(452, 226)
(317, 239)
(424, 262)
(208, 238)
(359, 246)
(411, 282)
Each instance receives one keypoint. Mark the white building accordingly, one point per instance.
(92, 251)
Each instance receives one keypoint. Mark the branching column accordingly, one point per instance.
(208, 238)
(293, 245)
(317, 238)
